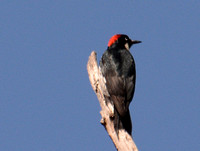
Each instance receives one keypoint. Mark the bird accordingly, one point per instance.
(117, 66)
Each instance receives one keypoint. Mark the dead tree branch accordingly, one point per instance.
(122, 142)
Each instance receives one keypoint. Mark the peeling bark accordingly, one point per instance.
(123, 141)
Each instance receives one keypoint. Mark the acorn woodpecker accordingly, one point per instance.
(118, 68)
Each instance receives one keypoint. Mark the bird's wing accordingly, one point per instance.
(121, 92)
(120, 88)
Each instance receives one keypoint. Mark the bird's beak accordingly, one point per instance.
(135, 42)
(132, 42)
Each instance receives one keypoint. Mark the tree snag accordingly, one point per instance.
(122, 141)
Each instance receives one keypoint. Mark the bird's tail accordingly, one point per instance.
(122, 122)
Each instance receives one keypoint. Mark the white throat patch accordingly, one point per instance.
(127, 46)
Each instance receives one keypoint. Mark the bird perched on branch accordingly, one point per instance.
(118, 68)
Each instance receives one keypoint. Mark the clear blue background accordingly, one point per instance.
(46, 101)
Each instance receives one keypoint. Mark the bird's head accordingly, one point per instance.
(121, 41)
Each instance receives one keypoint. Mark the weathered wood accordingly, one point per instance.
(122, 142)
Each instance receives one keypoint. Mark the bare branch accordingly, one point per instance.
(122, 142)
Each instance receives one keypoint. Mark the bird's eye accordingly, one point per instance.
(126, 39)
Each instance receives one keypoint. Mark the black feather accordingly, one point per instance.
(118, 68)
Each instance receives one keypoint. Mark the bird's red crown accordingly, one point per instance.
(113, 39)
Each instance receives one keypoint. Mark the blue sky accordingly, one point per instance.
(46, 101)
